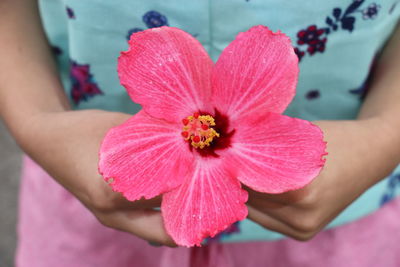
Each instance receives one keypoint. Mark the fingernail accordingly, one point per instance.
(155, 244)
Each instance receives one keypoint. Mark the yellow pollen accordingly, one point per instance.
(198, 130)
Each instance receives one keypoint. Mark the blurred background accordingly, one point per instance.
(10, 160)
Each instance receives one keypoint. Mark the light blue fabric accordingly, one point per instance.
(94, 32)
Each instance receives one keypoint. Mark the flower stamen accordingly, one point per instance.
(198, 130)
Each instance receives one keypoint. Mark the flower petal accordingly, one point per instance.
(275, 153)
(144, 157)
(257, 72)
(167, 71)
(207, 202)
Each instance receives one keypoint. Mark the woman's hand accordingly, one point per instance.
(357, 158)
(66, 145)
(361, 153)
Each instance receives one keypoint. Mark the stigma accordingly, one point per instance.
(197, 129)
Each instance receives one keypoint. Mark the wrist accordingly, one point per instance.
(382, 145)
(359, 150)
(40, 129)
(383, 133)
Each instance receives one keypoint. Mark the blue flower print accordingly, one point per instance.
(393, 184)
(56, 50)
(70, 12)
(152, 19)
(132, 31)
(83, 84)
(371, 11)
(312, 38)
(315, 38)
(393, 7)
(313, 94)
(362, 90)
(300, 54)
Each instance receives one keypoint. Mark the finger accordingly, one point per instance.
(284, 214)
(300, 220)
(301, 230)
(155, 244)
(123, 203)
(291, 197)
(276, 225)
(145, 224)
(117, 200)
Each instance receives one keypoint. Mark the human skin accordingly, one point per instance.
(66, 143)
(361, 153)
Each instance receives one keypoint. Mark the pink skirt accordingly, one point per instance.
(55, 229)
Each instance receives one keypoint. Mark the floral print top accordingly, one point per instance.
(336, 42)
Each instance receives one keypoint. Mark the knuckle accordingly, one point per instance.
(101, 202)
(309, 201)
(170, 244)
(305, 236)
(103, 220)
(266, 226)
(164, 241)
(307, 224)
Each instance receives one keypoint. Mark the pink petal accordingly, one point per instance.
(144, 157)
(167, 71)
(257, 72)
(207, 203)
(275, 153)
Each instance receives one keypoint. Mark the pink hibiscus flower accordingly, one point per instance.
(205, 129)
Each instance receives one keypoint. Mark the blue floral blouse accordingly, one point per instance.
(336, 41)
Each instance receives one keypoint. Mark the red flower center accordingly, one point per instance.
(207, 133)
(197, 129)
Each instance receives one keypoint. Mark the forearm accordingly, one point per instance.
(382, 107)
(29, 83)
(360, 153)
(382, 101)
(384, 92)
(65, 144)
(372, 141)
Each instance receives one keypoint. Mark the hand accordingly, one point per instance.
(66, 145)
(356, 160)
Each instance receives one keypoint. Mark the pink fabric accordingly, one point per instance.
(56, 230)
